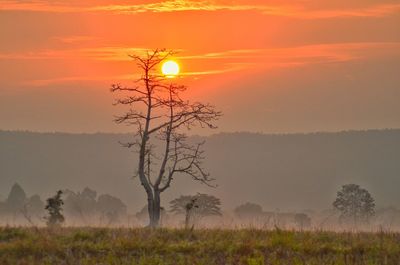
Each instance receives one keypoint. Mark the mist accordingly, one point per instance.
(286, 175)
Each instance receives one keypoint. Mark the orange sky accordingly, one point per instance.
(270, 66)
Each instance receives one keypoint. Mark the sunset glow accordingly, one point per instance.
(267, 64)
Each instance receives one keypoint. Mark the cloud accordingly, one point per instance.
(290, 11)
(122, 77)
(336, 52)
(184, 5)
(273, 10)
(97, 53)
(156, 7)
(74, 39)
(213, 63)
(74, 79)
(327, 52)
(381, 10)
(227, 68)
(37, 6)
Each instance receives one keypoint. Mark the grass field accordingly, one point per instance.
(206, 247)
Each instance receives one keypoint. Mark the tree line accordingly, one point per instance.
(354, 206)
(84, 208)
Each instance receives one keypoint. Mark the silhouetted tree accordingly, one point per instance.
(16, 199)
(88, 207)
(3, 208)
(87, 201)
(248, 210)
(35, 206)
(159, 114)
(195, 207)
(354, 203)
(54, 208)
(302, 220)
(190, 208)
(33, 209)
(72, 207)
(111, 207)
(81, 204)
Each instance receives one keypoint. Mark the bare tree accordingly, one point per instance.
(160, 115)
(302, 221)
(248, 211)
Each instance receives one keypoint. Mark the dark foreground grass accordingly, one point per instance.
(207, 247)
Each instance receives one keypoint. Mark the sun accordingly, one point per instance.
(170, 69)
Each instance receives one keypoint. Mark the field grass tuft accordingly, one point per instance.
(89, 246)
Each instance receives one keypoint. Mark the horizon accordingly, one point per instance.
(211, 134)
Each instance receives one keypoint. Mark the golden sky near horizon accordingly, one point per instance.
(270, 66)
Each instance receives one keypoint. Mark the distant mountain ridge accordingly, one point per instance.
(288, 171)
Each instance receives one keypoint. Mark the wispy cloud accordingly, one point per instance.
(274, 10)
(330, 52)
(122, 77)
(380, 10)
(38, 6)
(335, 52)
(161, 6)
(213, 63)
(185, 5)
(227, 68)
(75, 79)
(97, 53)
(74, 39)
(294, 11)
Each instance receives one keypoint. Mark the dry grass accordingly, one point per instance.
(169, 246)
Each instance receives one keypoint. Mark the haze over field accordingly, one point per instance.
(276, 171)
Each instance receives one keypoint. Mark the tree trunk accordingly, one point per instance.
(154, 209)
(187, 219)
(150, 206)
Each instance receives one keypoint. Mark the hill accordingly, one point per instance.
(289, 172)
